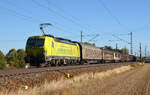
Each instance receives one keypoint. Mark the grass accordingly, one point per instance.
(137, 64)
(69, 86)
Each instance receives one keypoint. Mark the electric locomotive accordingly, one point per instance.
(49, 50)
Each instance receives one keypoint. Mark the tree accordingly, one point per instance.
(118, 50)
(2, 61)
(16, 58)
(87, 43)
(12, 58)
(124, 51)
(108, 47)
(20, 56)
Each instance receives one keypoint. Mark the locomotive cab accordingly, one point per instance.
(36, 49)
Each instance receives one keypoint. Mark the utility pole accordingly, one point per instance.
(135, 54)
(131, 43)
(116, 46)
(81, 36)
(148, 54)
(140, 52)
(145, 51)
(124, 50)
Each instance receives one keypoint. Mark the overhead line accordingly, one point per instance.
(92, 39)
(15, 5)
(109, 11)
(49, 2)
(29, 18)
(111, 14)
(121, 39)
(51, 10)
(29, 12)
(22, 16)
(77, 20)
(119, 22)
(60, 15)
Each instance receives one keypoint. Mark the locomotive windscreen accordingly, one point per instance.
(35, 42)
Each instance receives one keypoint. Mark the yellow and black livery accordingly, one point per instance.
(50, 50)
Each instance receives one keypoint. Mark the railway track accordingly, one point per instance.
(17, 72)
(12, 80)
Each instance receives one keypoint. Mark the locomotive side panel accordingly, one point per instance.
(65, 50)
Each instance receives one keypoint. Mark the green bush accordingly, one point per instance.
(16, 58)
(2, 61)
(12, 58)
(20, 56)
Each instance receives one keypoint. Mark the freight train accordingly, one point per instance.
(48, 50)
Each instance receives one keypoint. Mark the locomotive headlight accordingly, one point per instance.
(45, 52)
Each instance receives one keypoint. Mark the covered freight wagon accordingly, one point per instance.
(107, 55)
(110, 56)
(90, 53)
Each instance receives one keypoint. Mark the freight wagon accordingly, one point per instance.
(90, 53)
(110, 56)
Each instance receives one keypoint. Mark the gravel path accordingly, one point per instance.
(133, 82)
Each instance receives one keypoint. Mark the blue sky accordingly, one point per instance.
(20, 19)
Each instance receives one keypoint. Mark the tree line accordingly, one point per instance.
(13, 59)
(122, 51)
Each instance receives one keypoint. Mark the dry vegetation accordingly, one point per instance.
(37, 79)
(70, 86)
